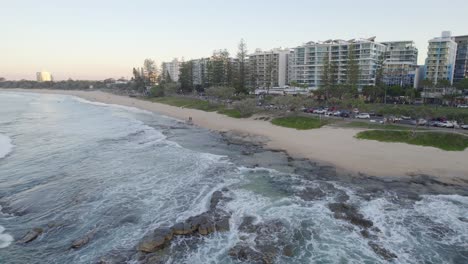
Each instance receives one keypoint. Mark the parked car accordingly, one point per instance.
(432, 123)
(405, 117)
(320, 111)
(419, 122)
(446, 124)
(363, 116)
(464, 126)
(345, 113)
(462, 106)
(356, 111)
(337, 113)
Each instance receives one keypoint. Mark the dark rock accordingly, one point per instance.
(247, 225)
(310, 194)
(114, 257)
(245, 253)
(365, 233)
(463, 219)
(215, 199)
(32, 235)
(381, 251)
(288, 251)
(349, 213)
(151, 244)
(222, 224)
(166, 233)
(182, 229)
(84, 240)
(153, 259)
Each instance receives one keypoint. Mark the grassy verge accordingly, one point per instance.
(232, 113)
(188, 103)
(444, 141)
(299, 122)
(198, 104)
(357, 124)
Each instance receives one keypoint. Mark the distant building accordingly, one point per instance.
(400, 63)
(461, 62)
(172, 69)
(44, 76)
(307, 61)
(269, 68)
(200, 72)
(441, 56)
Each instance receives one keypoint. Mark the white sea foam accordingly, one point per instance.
(5, 239)
(128, 108)
(5, 146)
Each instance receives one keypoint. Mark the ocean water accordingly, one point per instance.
(72, 167)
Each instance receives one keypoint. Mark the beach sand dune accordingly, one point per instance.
(336, 146)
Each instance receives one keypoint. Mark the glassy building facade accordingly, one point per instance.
(461, 62)
(307, 61)
(400, 63)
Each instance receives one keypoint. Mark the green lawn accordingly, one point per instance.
(358, 124)
(299, 122)
(444, 141)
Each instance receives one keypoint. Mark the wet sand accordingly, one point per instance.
(336, 146)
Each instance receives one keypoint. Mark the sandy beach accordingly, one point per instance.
(336, 146)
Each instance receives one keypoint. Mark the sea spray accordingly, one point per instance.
(5, 145)
(5, 239)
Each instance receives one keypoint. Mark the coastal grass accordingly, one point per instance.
(203, 105)
(357, 124)
(444, 141)
(188, 103)
(299, 122)
(234, 113)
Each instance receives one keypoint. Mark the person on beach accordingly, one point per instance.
(190, 121)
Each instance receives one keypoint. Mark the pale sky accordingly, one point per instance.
(100, 39)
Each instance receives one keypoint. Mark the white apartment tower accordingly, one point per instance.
(269, 68)
(307, 61)
(200, 72)
(44, 76)
(441, 57)
(172, 69)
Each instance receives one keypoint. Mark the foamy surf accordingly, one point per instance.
(5, 146)
(5, 239)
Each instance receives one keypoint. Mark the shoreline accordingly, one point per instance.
(328, 145)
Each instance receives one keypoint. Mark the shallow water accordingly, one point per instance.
(72, 167)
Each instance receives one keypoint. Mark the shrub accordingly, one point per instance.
(246, 107)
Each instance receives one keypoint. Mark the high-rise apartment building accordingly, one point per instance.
(441, 56)
(307, 61)
(268, 68)
(172, 69)
(461, 61)
(400, 63)
(200, 72)
(44, 76)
